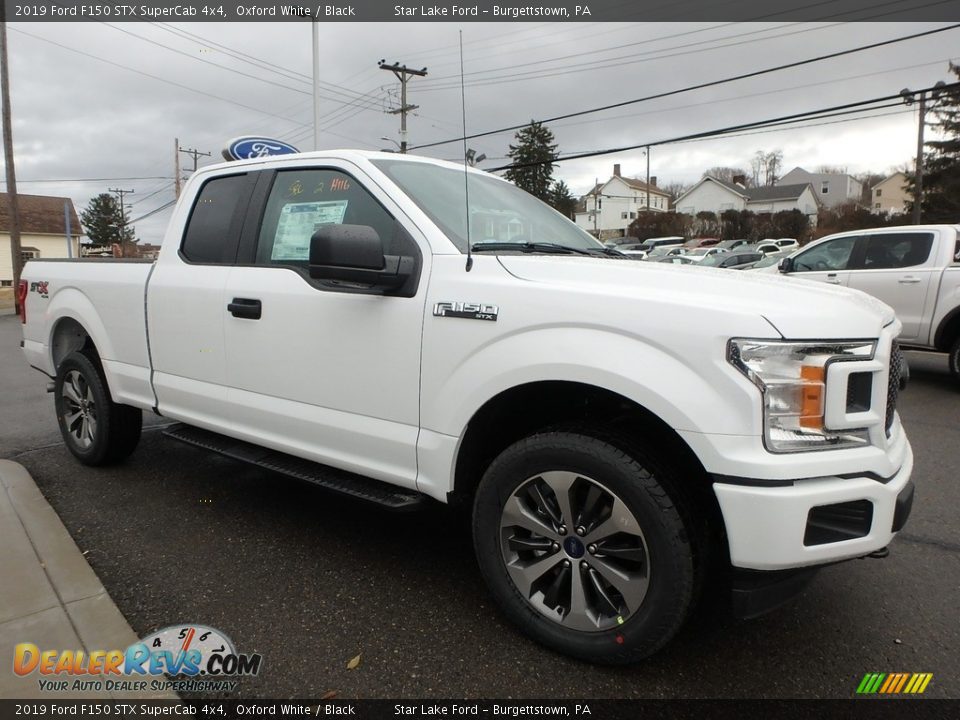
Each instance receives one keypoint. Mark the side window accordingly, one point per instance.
(211, 230)
(831, 255)
(301, 201)
(896, 250)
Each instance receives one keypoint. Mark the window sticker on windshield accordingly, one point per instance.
(298, 222)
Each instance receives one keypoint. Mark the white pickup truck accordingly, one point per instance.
(620, 430)
(913, 268)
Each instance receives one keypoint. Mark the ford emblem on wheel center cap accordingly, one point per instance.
(573, 547)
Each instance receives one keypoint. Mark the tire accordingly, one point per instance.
(95, 429)
(954, 360)
(551, 575)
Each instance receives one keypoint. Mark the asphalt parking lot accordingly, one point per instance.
(310, 580)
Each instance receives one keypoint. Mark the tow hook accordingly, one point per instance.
(879, 554)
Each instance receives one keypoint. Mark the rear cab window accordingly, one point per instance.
(213, 229)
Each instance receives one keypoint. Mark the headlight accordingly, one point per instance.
(791, 377)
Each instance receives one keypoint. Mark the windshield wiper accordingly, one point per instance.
(530, 247)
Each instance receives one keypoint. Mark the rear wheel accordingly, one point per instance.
(95, 429)
(954, 359)
(583, 548)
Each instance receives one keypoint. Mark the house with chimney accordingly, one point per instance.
(715, 195)
(609, 208)
(49, 228)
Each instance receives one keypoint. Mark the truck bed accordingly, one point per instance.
(105, 295)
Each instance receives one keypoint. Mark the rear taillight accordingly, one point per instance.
(22, 300)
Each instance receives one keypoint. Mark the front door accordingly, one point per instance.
(325, 370)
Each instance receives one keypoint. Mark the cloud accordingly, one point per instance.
(115, 115)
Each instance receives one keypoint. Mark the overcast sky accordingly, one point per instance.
(87, 106)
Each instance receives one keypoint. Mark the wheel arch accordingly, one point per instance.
(948, 330)
(525, 409)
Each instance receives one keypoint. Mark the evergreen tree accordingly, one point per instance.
(562, 200)
(536, 150)
(941, 165)
(104, 223)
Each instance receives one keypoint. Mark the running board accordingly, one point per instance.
(341, 481)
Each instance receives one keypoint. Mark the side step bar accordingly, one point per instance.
(345, 483)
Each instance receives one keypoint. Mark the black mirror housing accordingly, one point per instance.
(785, 265)
(354, 254)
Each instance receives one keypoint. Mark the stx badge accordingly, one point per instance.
(470, 311)
(41, 287)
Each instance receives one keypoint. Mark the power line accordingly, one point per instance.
(205, 93)
(701, 86)
(846, 108)
(89, 180)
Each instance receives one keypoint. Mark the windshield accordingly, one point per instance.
(501, 214)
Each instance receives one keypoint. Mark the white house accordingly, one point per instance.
(43, 230)
(609, 208)
(831, 188)
(714, 195)
(890, 195)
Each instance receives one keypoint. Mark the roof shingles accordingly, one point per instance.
(40, 214)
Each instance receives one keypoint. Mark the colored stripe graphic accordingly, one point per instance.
(894, 683)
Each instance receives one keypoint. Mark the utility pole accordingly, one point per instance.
(123, 215)
(16, 260)
(176, 167)
(907, 95)
(194, 153)
(918, 199)
(403, 74)
(647, 153)
(596, 207)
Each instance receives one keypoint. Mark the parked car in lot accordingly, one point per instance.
(666, 251)
(359, 321)
(915, 269)
(698, 254)
(732, 244)
(675, 260)
(666, 241)
(732, 260)
(766, 247)
(707, 242)
(786, 243)
(771, 260)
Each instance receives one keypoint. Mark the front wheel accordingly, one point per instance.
(583, 548)
(95, 429)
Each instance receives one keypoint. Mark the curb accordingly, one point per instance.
(51, 596)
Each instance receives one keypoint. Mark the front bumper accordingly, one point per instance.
(773, 528)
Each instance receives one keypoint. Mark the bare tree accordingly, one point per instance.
(832, 169)
(773, 162)
(758, 164)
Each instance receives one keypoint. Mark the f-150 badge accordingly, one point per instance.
(470, 311)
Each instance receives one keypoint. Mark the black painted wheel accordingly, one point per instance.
(95, 429)
(583, 548)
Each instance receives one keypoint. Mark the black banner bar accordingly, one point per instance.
(467, 11)
(873, 707)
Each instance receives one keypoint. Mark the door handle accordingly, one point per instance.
(832, 279)
(908, 280)
(245, 308)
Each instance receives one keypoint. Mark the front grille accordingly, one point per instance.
(893, 384)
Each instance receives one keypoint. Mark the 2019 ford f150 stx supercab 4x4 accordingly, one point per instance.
(617, 428)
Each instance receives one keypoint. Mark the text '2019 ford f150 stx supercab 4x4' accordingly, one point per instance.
(404, 329)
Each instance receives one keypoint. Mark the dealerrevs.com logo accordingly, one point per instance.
(182, 658)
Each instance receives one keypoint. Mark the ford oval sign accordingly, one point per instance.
(245, 148)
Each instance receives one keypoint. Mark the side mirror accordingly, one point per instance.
(354, 254)
(785, 265)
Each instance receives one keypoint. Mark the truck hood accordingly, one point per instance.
(798, 309)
